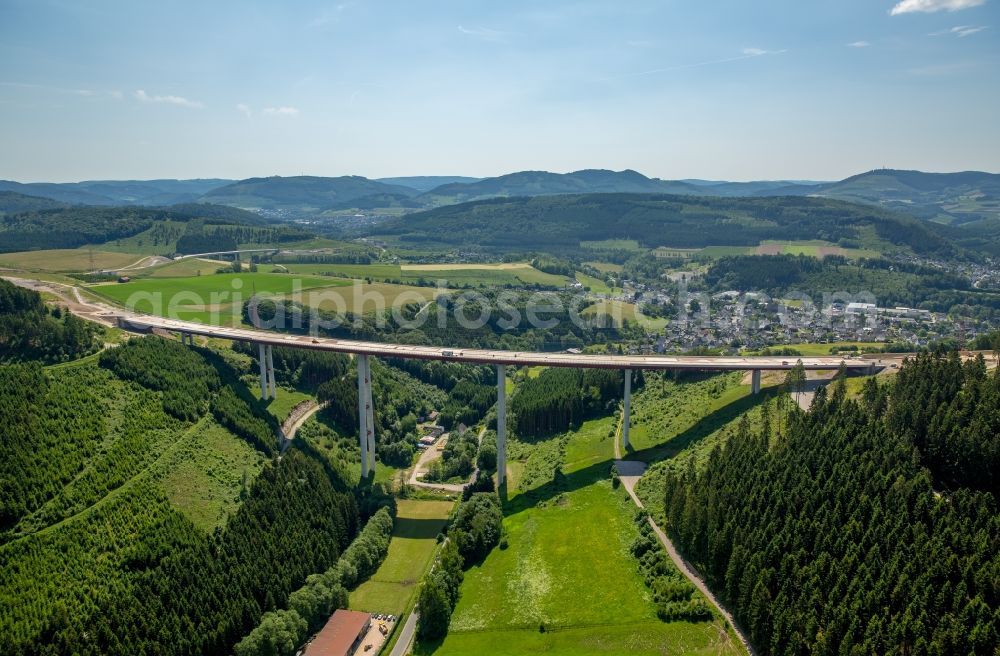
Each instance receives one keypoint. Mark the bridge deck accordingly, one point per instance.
(489, 356)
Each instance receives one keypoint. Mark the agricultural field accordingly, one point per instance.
(363, 298)
(414, 542)
(484, 274)
(596, 285)
(606, 267)
(473, 275)
(67, 260)
(567, 583)
(212, 298)
(188, 267)
(813, 248)
(622, 311)
(617, 310)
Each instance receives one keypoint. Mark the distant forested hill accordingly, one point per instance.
(560, 223)
(12, 202)
(71, 227)
(865, 526)
(544, 183)
(947, 197)
(117, 192)
(427, 182)
(301, 194)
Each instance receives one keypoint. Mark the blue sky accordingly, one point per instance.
(726, 89)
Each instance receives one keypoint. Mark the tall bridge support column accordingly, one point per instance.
(271, 384)
(362, 361)
(626, 408)
(262, 362)
(501, 425)
(370, 411)
(755, 381)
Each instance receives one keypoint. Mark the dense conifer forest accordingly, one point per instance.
(95, 559)
(559, 399)
(29, 330)
(865, 526)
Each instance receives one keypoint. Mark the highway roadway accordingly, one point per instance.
(146, 323)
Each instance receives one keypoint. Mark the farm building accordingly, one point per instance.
(341, 636)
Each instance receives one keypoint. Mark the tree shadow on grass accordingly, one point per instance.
(700, 429)
(416, 528)
(591, 474)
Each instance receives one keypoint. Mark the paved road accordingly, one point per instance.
(444, 487)
(402, 646)
(629, 472)
(295, 420)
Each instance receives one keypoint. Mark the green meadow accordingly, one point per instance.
(204, 298)
(567, 583)
(414, 542)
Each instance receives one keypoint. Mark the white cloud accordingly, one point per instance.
(748, 53)
(931, 6)
(484, 33)
(244, 109)
(280, 111)
(858, 44)
(142, 96)
(961, 31)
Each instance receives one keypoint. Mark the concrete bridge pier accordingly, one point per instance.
(755, 381)
(262, 363)
(501, 425)
(626, 408)
(366, 416)
(370, 410)
(272, 384)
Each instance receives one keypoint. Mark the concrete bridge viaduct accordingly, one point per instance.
(266, 340)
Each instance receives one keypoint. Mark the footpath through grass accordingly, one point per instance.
(567, 583)
(414, 540)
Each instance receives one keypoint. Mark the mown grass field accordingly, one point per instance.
(212, 298)
(595, 285)
(414, 542)
(189, 266)
(620, 311)
(366, 298)
(606, 267)
(475, 275)
(813, 248)
(67, 259)
(568, 568)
